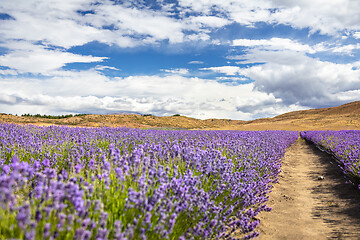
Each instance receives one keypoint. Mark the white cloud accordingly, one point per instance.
(241, 11)
(356, 35)
(235, 79)
(102, 67)
(53, 22)
(209, 21)
(285, 44)
(8, 72)
(349, 96)
(7, 99)
(228, 70)
(292, 77)
(274, 44)
(179, 71)
(346, 49)
(135, 21)
(263, 50)
(25, 57)
(356, 64)
(196, 62)
(90, 91)
(265, 106)
(296, 78)
(59, 32)
(327, 17)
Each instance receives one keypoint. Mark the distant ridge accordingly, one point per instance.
(346, 116)
(345, 109)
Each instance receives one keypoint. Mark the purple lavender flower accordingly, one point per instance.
(6, 169)
(47, 229)
(23, 216)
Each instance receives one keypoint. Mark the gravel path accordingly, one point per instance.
(305, 207)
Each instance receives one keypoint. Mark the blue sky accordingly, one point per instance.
(204, 59)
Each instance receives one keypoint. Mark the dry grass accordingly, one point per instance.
(336, 118)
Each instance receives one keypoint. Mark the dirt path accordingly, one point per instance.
(307, 208)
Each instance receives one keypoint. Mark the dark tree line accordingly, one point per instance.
(52, 116)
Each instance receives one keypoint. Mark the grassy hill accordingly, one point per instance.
(346, 116)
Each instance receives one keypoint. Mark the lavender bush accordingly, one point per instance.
(119, 183)
(343, 145)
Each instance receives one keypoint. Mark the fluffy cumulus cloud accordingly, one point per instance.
(356, 35)
(227, 70)
(180, 71)
(274, 44)
(327, 17)
(93, 92)
(314, 62)
(29, 58)
(311, 83)
(51, 22)
(298, 79)
(290, 74)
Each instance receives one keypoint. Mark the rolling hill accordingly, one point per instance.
(346, 116)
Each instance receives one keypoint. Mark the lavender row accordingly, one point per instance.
(119, 183)
(343, 145)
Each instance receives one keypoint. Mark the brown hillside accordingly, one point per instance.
(348, 109)
(346, 116)
(125, 120)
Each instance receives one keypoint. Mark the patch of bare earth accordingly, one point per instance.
(307, 208)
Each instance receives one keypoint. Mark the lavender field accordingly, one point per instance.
(120, 183)
(343, 145)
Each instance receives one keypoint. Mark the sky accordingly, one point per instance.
(204, 59)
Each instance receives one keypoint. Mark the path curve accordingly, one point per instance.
(307, 208)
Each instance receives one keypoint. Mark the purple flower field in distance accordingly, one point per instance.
(120, 183)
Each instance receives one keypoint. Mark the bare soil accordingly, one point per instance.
(307, 208)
